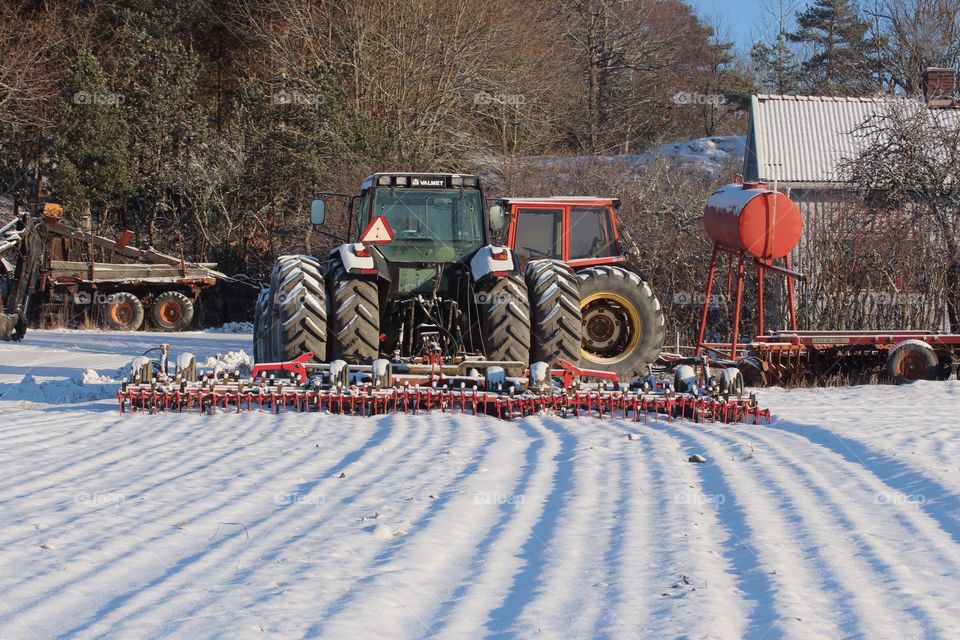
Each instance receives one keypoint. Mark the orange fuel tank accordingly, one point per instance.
(752, 218)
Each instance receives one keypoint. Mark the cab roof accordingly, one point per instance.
(464, 178)
(564, 200)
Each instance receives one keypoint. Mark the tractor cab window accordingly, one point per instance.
(539, 234)
(591, 233)
(430, 225)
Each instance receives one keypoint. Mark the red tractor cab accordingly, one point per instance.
(622, 323)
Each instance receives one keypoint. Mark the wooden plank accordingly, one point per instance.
(107, 271)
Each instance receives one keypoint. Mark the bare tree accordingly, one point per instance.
(910, 161)
(920, 34)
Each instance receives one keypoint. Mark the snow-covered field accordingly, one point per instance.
(842, 519)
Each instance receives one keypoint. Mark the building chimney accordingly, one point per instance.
(939, 88)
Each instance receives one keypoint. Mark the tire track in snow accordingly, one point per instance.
(277, 535)
(687, 537)
(107, 456)
(871, 527)
(802, 551)
(939, 503)
(574, 583)
(496, 558)
(121, 560)
(739, 548)
(431, 556)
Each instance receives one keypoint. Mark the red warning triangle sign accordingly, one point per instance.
(377, 232)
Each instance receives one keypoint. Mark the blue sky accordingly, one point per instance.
(743, 18)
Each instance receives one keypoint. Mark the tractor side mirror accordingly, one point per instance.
(496, 218)
(318, 211)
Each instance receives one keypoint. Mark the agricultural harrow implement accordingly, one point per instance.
(466, 386)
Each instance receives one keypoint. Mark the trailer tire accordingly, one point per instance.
(555, 318)
(505, 320)
(123, 312)
(262, 345)
(623, 323)
(171, 311)
(912, 360)
(355, 307)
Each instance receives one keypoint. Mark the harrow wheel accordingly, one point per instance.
(623, 324)
(912, 360)
(298, 309)
(505, 319)
(171, 311)
(355, 305)
(555, 320)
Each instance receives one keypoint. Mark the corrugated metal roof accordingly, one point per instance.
(803, 139)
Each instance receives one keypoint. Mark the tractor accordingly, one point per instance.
(622, 321)
(417, 276)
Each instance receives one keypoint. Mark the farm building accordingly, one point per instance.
(860, 273)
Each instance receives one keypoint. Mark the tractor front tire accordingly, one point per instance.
(171, 311)
(355, 306)
(123, 312)
(505, 320)
(555, 319)
(623, 324)
(298, 306)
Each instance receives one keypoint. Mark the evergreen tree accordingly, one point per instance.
(845, 54)
(776, 65)
(92, 172)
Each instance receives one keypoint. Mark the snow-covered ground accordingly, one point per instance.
(842, 519)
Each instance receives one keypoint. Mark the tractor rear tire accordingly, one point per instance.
(298, 304)
(505, 320)
(171, 311)
(912, 360)
(123, 312)
(355, 307)
(262, 343)
(623, 324)
(555, 319)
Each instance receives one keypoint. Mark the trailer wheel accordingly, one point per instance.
(505, 320)
(912, 360)
(171, 311)
(355, 305)
(623, 324)
(298, 309)
(123, 312)
(262, 345)
(555, 321)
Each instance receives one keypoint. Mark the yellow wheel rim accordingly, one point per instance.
(611, 328)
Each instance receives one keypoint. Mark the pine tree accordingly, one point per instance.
(776, 65)
(844, 56)
(90, 147)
